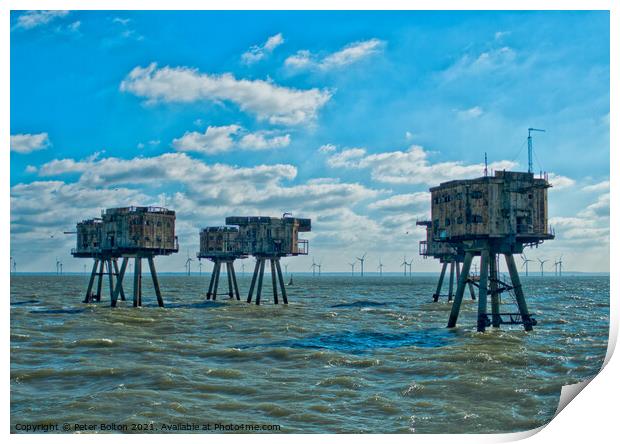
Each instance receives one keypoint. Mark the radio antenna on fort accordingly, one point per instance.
(486, 165)
(530, 168)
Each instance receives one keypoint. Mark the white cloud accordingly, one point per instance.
(501, 34)
(259, 52)
(559, 182)
(215, 139)
(410, 167)
(348, 55)
(27, 143)
(33, 19)
(598, 209)
(471, 113)
(327, 148)
(218, 139)
(276, 104)
(601, 186)
(484, 62)
(403, 202)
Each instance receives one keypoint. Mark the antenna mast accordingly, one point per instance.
(530, 168)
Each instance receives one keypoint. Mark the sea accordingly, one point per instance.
(348, 354)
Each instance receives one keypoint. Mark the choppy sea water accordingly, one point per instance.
(348, 354)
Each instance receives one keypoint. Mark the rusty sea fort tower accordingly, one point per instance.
(487, 217)
(265, 238)
(128, 233)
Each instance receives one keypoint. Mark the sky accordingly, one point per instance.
(343, 117)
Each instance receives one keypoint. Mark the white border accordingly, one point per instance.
(590, 418)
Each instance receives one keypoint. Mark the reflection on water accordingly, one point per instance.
(348, 354)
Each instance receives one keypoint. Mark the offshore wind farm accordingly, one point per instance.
(262, 261)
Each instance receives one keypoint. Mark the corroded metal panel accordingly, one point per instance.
(88, 239)
(271, 236)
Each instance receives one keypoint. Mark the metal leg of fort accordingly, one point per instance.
(160, 299)
(91, 281)
(458, 270)
(451, 289)
(211, 280)
(117, 278)
(282, 287)
(440, 283)
(110, 278)
(516, 283)
(495, 319)
(260, 281)
(119, 282)
(230, 284)
(273, 281)
(472, 292)
(234, 279)
(460, 290)
(251, 292)
(217, 279)
(137, 275)
(482, 290)
(100, 281)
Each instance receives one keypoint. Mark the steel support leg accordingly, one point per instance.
(100, 280)
(472, 291)
(460, 289)
(115, 262)
(119, 282)
(211, 281)
(91, 281)
(440, 283)
(160, 299)
(282, 287)
(229, 276)
(516, 283)
(217, 279)
(451, 289)
(234, 279)
(260, 281)
(482, 290)
(110, 277)
(495, 320)
(273, 281)
(137, 282)
(254, 276)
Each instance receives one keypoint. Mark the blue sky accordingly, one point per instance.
(344, 117)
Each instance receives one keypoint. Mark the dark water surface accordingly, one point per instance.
(348, 354)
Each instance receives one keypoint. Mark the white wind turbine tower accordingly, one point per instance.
(404, 265)
(362, 259)
(352, 264)
(380, 268)
(313, 266)
(188, 264)
(525, 261)
(542, 266)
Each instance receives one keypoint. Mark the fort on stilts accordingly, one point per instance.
(487, 217)
(222, 245)
(129, 233)
(265, 238)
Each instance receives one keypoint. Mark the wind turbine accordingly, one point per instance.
(352, 264)
(320, 264)
(380, 267)
(409, 264)
(542, 266)
(525, 261)
(199, 267)
(61, 268)
(14, 266)
(557, 264)
(404, 264)
(313, 266)
(243, 268)
(188, 265)
(362, 259)
(285, 269)
(57, 266)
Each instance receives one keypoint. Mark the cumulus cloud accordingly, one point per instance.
(468, 114)
(33, 19)
(596, 187)
(410, 167)
(27, 143)
(348, 55)
(403, 202)
(259, 52)
(327, 148)
(218, 139)
(484, 62)
(276, 104)
(560, 182)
